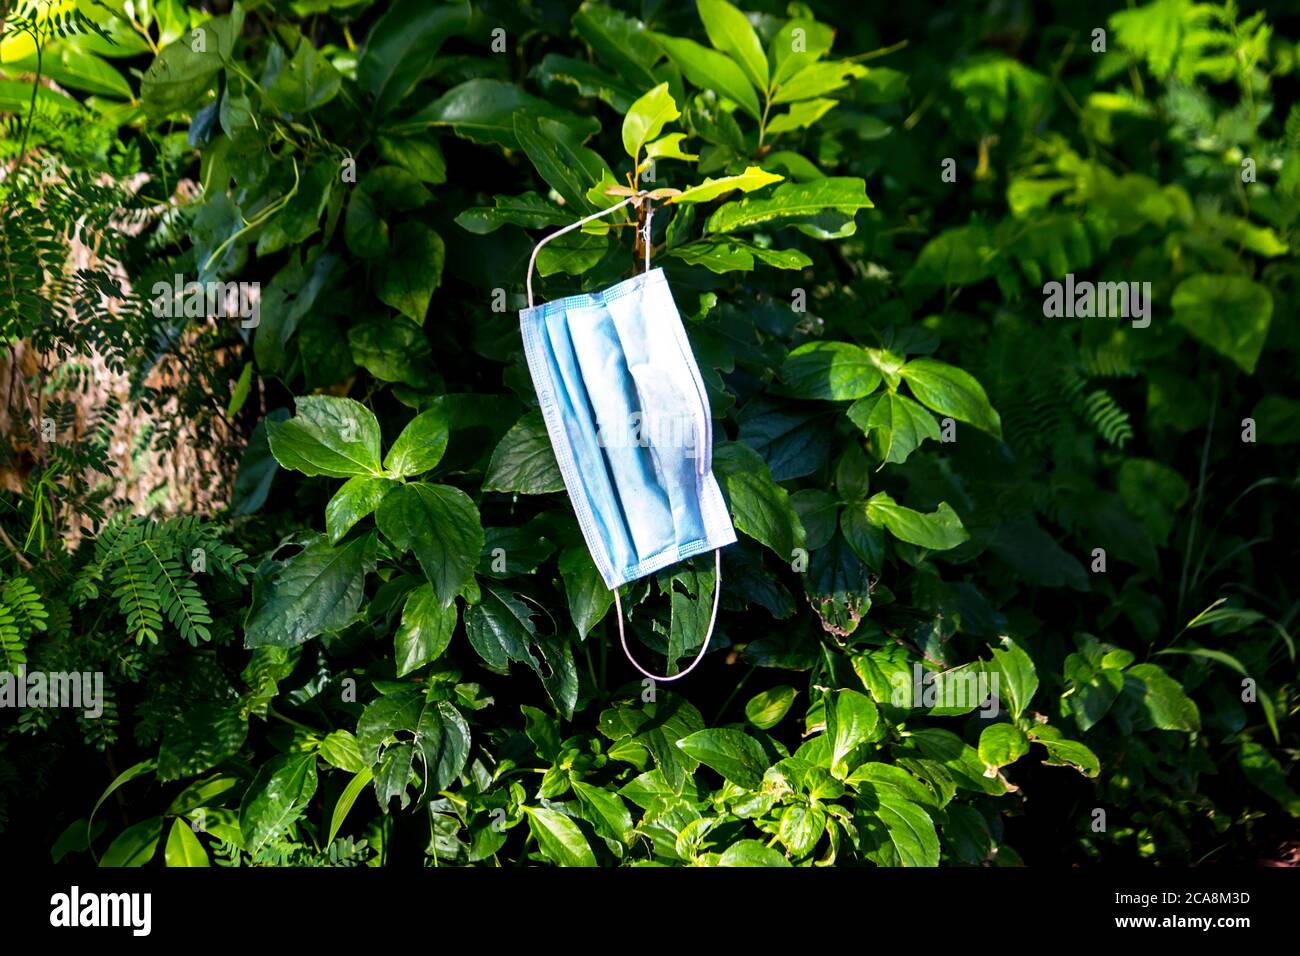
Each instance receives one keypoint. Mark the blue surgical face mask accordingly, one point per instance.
(629, 421)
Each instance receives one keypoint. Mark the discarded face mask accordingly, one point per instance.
(629, 421)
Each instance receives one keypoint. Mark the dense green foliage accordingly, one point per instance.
(391, 644)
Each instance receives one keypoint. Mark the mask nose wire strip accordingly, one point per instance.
(713, 617)
(569, 228)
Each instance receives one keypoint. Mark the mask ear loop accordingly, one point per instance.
(713, 618)
(649, 215)
(569, 228)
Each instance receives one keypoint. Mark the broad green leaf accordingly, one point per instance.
(76, 70)
(726, 254)
(851, 721)
(524, 461)
(136, 845)
(393, 349)
(501, 630)
(669, 147)
(729, 32)
(800, 116)
(441, 525)
(831, 371)
(766, 709)
(1164, 700)
(760, 507)
(657, 726)
(798, 43)
(183, 847)
(899, 424)
(527, 210)
(751, 853)
(401, 46)
(434, 742)
(276, 798)
(822, 208)
(331, 436)
(605, 810)
(818, 79)
(567, 167)
(420, 446)
(1230, 314)
(619, 41)
(316, 591)
(951, 391)
(179, 77)
(589, 600)
(646, 118)
(937, 531)
(559, 837)
(1017, 676)
(355, 499)
(307, 82)
(711, 70)
(1065, 753)
(347, 798)
(420, 156)
(800, 828)
(1001, 745)
(864, 536)
(412, 270)
(903, 831)
(1262, 769)
(340, 749)
(425, 630)
(203, 734)
(732, 753)
(484, 110)
(876, 778)
(752, 178)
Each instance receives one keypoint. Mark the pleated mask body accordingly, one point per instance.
(629, 421)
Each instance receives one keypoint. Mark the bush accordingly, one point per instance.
(996, 320)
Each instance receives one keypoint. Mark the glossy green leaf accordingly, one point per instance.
(732, 753)
(898, 423)
(136, 845)
(822, 208)
(730, 33)
(938, 531)
(646, 118)
(1230, 314)
(832, 371)
(401, 45)
(440, 524)
(766, 709)
(316, 591)
(276, 798)
(355, 499)
(183, 847)
(420, 445)
(1001, 745)
(711, 70)
(559, 837)
(425, 630)
(951, 391)
(331, 436)
(524, 462)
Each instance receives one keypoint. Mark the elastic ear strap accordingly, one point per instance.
(713, 617)
(569, 228)
(649, 214)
